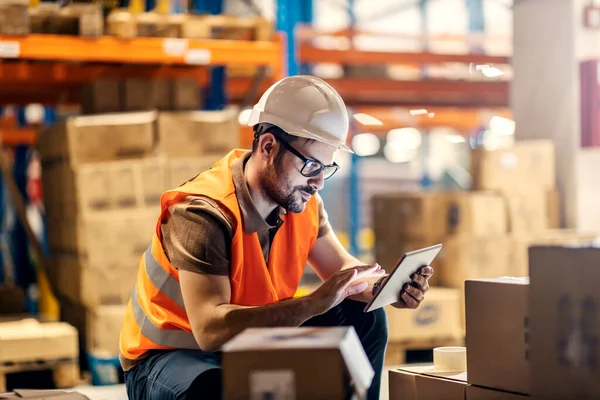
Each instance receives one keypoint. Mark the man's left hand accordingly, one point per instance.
(412, 294)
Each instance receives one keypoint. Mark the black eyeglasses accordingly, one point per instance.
(311, 167)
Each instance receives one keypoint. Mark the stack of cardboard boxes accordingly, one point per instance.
(486, 231)
(103, 177)
(526, 337)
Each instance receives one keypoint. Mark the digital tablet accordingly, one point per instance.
(410, 263)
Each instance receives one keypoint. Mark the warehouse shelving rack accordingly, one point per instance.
(295, 18)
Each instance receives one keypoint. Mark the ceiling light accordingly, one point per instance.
(491, 72)
(404, 138)
(453, 138)
(366, 119)
(395, 155)
(365, 144)
(421, 111)
(501, 125)
(431, 115)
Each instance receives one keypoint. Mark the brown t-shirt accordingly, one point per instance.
(197, 236)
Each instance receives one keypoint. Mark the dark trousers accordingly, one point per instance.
(193, 374)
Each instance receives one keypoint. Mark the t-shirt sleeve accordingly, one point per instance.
(324, 225)
(197, 237)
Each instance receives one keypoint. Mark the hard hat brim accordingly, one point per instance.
(258, 116)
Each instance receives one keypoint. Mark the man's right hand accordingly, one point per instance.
(343, 284)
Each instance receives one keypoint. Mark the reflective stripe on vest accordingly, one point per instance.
(161, 279)
(169, 286)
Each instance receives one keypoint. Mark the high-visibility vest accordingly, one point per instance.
(156, 317)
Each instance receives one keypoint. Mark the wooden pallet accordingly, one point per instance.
(226, 27)
(396, 351)
(65, 372)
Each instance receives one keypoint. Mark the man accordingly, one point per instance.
(231, 246)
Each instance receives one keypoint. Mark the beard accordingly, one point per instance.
(276, 186)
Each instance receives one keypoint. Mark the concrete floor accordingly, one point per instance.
(117, 392)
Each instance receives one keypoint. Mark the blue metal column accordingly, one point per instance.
(354, 223)
(288, 14)
(426, 176)
(216, 93)
(306, 17)
(476, 21)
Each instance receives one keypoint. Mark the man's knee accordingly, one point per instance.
(208, 385)
(380, 325)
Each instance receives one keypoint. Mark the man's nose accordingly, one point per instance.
(317, 181)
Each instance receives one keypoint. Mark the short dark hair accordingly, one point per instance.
(262, 128)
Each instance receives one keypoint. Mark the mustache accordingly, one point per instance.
(308, 189)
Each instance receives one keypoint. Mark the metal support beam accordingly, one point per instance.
(216, 93)
(288, 14)
(306, 18)
(354, 223)
(476, 21)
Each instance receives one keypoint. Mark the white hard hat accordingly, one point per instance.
(304, 106)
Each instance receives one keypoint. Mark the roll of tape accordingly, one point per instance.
(450, 359)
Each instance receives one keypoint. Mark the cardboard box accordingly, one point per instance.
(183, 169)
(438, 317)
(33, 394)
(476, 213)
(415, 215)
(14, 19)
(479, 393)
(424, 383)
(103, 327)
(300, 363)
(527, 163)
(138, 94)
(30, 340)
(564, 324)
(520, 245)
(474, 258)
(105, 240)
(497, 333)
(93, 287)
(101, 96)
(103, 186)
(99, 138)
(528, 211)
(186, 95)
(553, 209)
(196, 133)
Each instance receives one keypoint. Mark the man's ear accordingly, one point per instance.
(267, 145)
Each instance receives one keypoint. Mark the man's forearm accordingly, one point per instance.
(233, 319)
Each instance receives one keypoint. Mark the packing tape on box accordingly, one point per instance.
(450, 359)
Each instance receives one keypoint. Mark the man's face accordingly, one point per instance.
(282, 181)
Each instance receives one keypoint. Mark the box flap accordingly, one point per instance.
(430, 370)
(43, 395)
(357, 362)
(286, 338)
(521, 280)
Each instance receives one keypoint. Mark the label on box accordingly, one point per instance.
(197, 56)
(10, 49)
(272, 385)
(175, 47)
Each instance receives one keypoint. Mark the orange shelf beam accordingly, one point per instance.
(63, 73)
(463, 120)
(310, 55)
(141, 50)
(422, 94)
(18, 136)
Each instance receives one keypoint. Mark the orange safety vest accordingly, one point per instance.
(156, 317)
